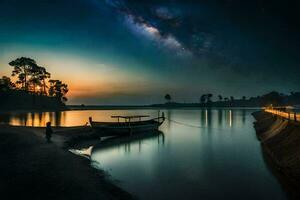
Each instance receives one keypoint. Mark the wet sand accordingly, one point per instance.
(31, 168)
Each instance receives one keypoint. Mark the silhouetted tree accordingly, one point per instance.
(34, 79)
(244, 98)
(58, 89)
(208, 100)
(20, 81)
(209, 96)
(6, 84)
(37, 78)
(43, 75)
(31, 77)
(274, 98)
(220, 97)
(168, 98)
(23, 68)
(203, 98)
(226, 99)
(231, 98)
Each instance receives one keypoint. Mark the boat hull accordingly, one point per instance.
(103, 129)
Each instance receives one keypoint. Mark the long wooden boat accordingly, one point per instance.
(130, 125)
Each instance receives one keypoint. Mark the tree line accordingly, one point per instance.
(273, 98)
(33, 78)
(207, 98)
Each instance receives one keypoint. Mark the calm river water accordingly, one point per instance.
(201, 154)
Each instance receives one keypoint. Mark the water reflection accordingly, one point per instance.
(230, 118)
(67, 118)
(243, 116)
(203, 118)
(207, 117)
(169, 116)
(187, 162)
(210, 150)
(126, 143)
(33, 118)
(220, 116)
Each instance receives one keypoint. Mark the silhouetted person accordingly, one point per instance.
(49, 132)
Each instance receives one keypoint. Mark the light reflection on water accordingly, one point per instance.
(220, 160)
(33, 118)
(78, 118)
(65, 118)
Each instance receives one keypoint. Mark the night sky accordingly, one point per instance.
(134, 52)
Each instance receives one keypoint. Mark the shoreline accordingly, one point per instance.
(71, 108)
(32, 110)
(162, 106)
(280, 139)
(32, 168)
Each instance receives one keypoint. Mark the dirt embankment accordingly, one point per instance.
(280, 138)
(30, 168)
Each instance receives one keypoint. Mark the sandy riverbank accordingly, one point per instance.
(280, 139)
(31, 168)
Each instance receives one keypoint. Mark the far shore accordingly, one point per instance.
(30, 168)
(120, 107)
(158, 106)
(32, 110)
